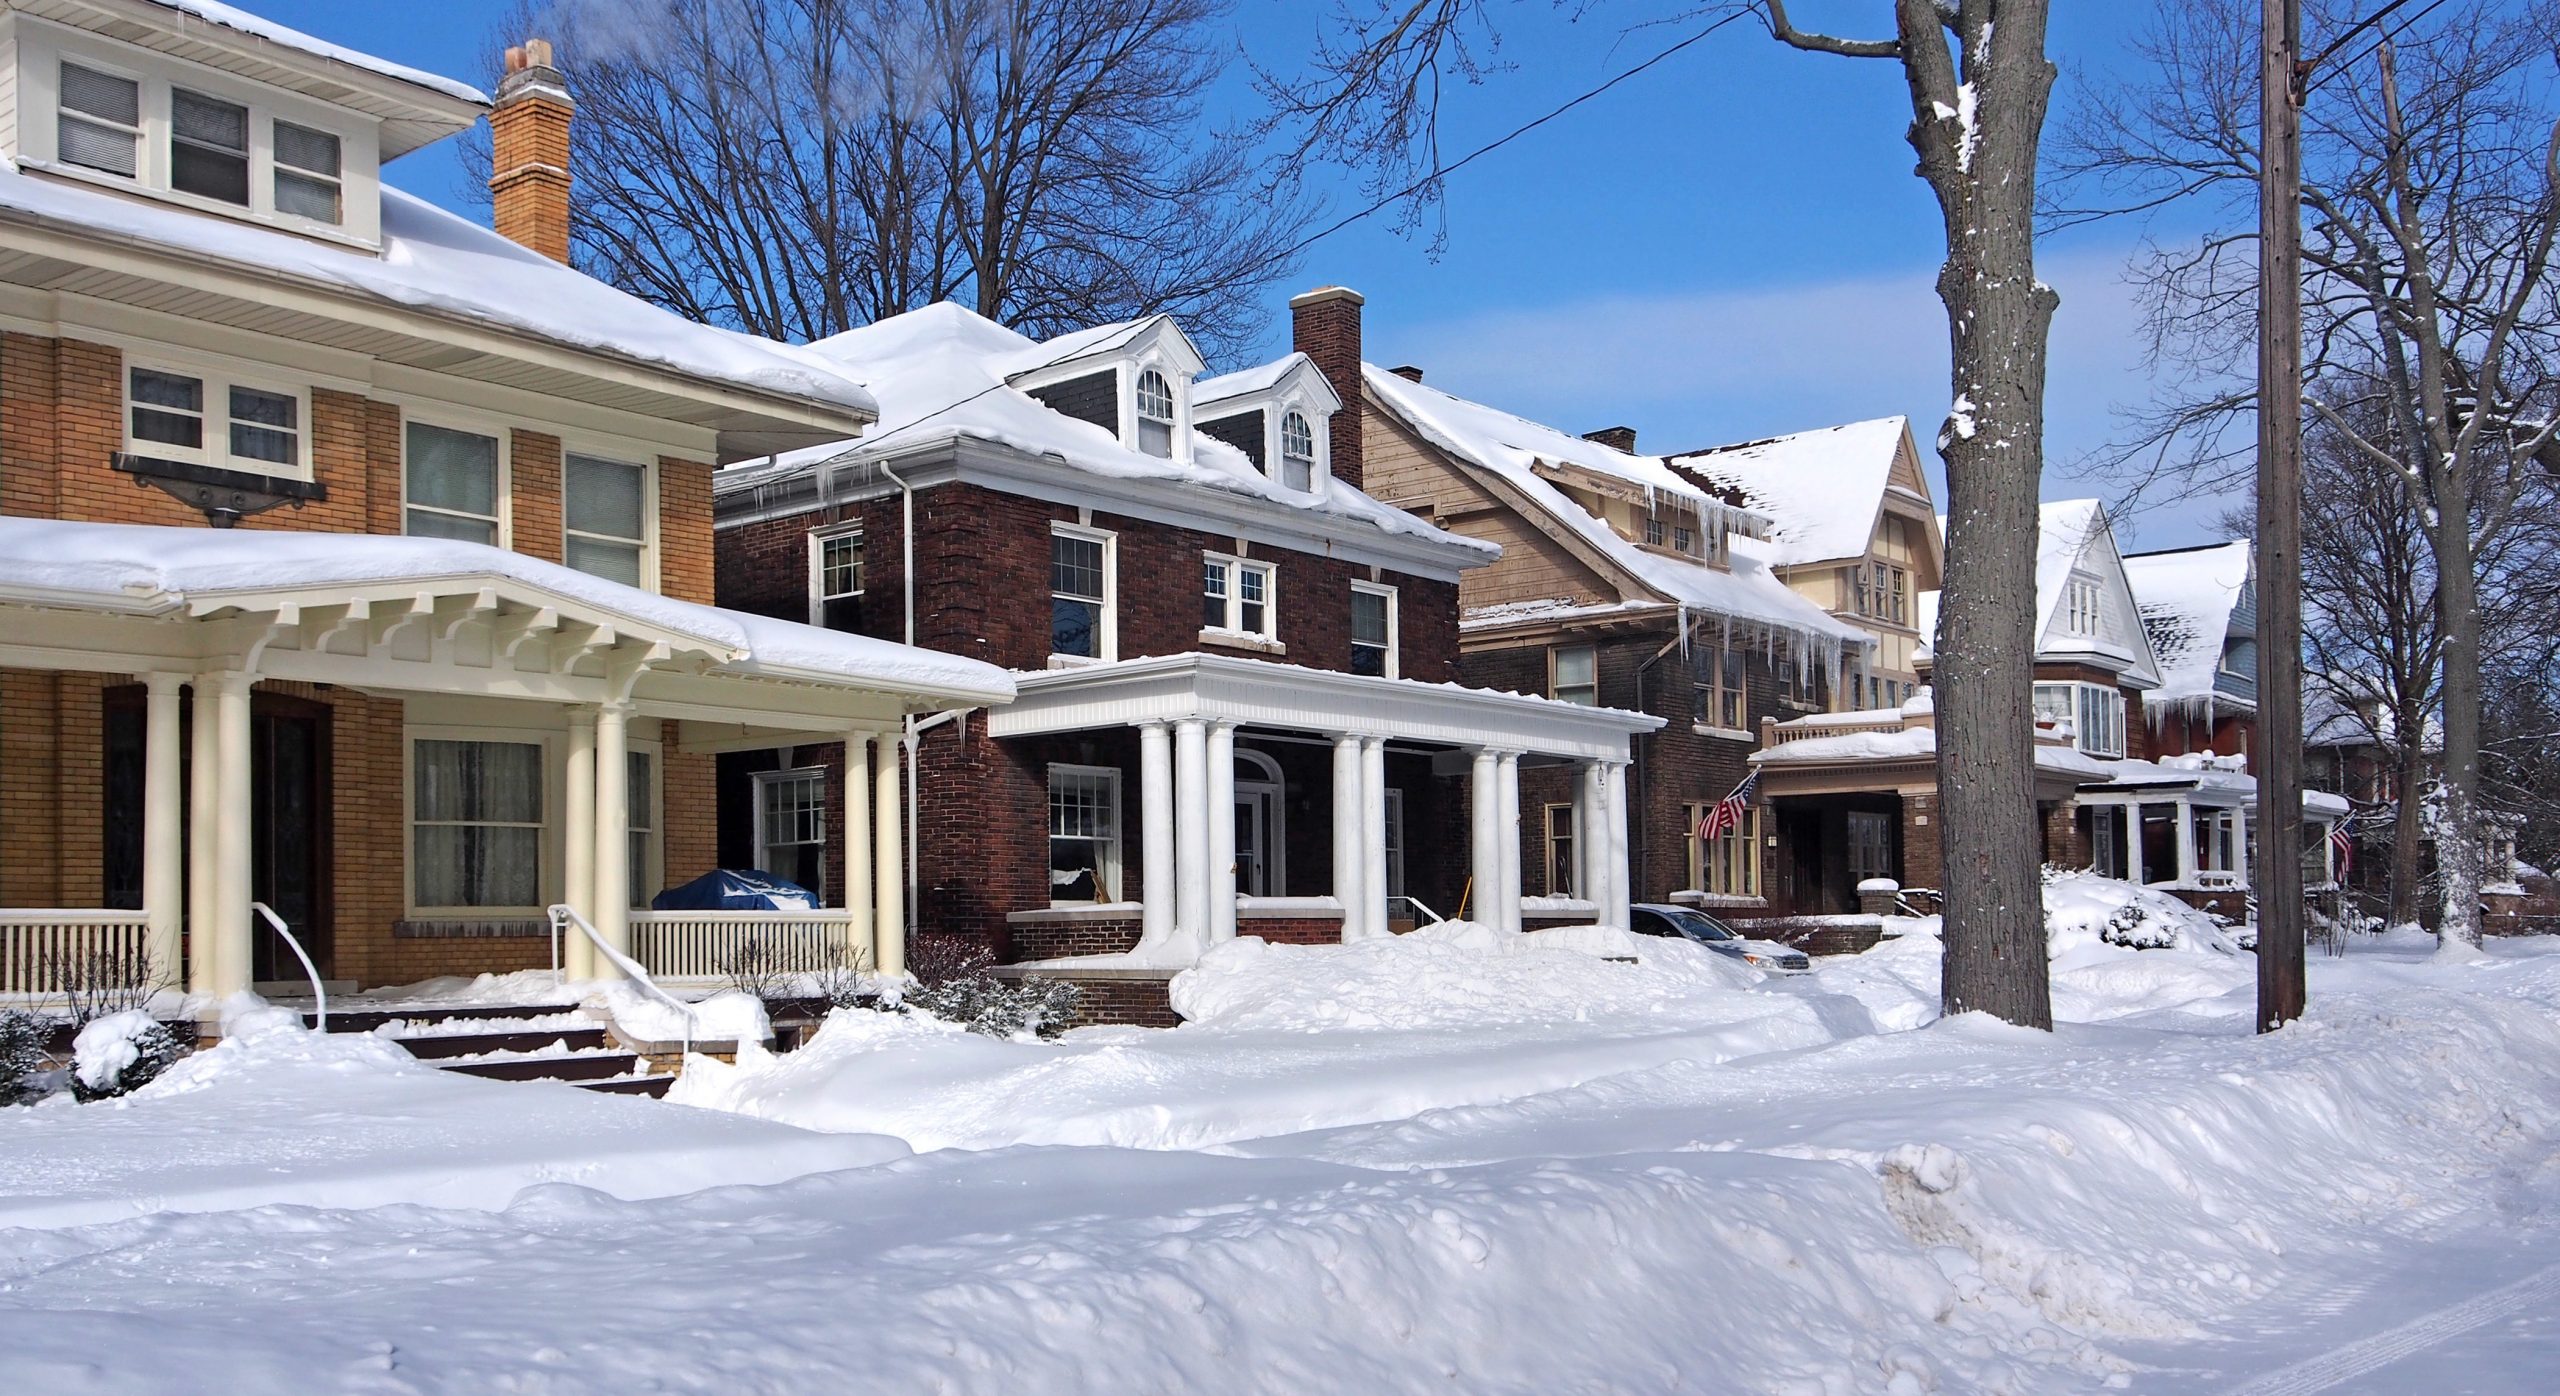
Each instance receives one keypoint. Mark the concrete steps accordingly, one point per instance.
(535, 1042)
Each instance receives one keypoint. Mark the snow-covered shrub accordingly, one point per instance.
(844, 979)
(21, 1056)
(985, 1004)
(119, 1053)
(2081, 907)
(2134, 927)
(101, 981)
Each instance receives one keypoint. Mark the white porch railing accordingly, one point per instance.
(703, 944)
(35, 943)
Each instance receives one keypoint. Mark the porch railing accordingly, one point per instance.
(704, 944)
(35, 945)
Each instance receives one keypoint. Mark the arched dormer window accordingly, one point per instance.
(1155, 414)
(1297, 452)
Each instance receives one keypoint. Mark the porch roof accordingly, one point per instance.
(2201, 780)
(1173, 687)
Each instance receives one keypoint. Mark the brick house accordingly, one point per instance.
(227, 349)
(1622, 584)
(1237, 710)
(2200, 606)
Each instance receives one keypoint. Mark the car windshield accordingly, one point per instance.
(1698, 927)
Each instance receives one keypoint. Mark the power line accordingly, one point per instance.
(2369, 50)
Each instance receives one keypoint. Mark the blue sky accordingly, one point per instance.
(1730, 245)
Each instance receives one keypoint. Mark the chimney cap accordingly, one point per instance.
(1408, 372)
(1321, 294)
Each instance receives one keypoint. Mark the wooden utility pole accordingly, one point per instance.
(2279, 861)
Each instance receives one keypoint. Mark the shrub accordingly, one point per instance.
(119, 1053)
(756, 967)
(985, 1004)
(100, 982)
(843, 979)
(21, 1057)
(2135, 928)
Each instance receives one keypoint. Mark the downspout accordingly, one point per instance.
(916, 728)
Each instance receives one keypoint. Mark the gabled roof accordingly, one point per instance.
(1061, 355)
(2073, 537)
(1822, 490)
(1513, 448)
(2190, 598)
(1261, 380)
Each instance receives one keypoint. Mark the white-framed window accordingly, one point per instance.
(1898, 600)
(604, 518)
(1729, 863)
(1297, 452)
(309, 174)
(208, 147)
(1560, 850)
(791, 826)
(1684, 538)
(1573, 675)
(453, 483)
(1374, 641)
(2082, 605)
(1084, 834)
(1081, 588)
(98, 120)
(2106, 840)
(1862, 591)
(1717, 697)
(1656, 533)
(836, 580)
(1395, 842)
(1237, 596)
(476, 824)
(640, 802)
(1155, 413)
(207, 418)
(2094, 712)
(1870, 845)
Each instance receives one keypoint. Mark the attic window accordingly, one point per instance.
(100, 124)
(307, 173)
(1297, 452)
(208, 147)
(2081, 608)
(1155, 414)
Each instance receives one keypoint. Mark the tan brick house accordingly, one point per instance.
(357, 560)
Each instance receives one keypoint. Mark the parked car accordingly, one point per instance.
(1687, 923)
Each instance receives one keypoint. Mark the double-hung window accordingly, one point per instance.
(231, 150)
(476, 822)
(1373, 630)
(1574, 675)
(835, 580)
(99, 123)
(604, 509)
(1560, 850)
(452, 488)
(203, 419)
(791, 827)
(1080, 587)
(1870, 845)
(1900, 610)
(208, 147)
(1656, 532)
(1727, 864)
(308, 174)
(2082, 606)
(2094, 713)
(1297, 452)
(1235, 596)
(1084, 834)
(1155, 414)
(1716, 695)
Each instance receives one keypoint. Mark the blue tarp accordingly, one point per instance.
(727, 890)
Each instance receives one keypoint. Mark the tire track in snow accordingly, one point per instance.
(2417, 1335)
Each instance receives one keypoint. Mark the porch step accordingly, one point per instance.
(476, 1044)
(592, 1066)
(654, 1087)
(370, 1019)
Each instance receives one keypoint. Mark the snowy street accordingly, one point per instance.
(1749, 1185)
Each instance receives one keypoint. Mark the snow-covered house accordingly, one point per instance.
(2201, 607)
(1853, 529)
(1625, 584)
(1238, 709)
(357, 558)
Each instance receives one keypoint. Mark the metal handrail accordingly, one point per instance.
(319, 994)
(1417, 904)
(630, 967)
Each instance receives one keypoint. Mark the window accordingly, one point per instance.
(1716, 697)
(1079, 594)
(2240, 658)
(2106, 840)
(1297, 452)
(1728, 864)
(1575, 675)
(791, 827)
(1084, 834)
(835, 581)
(1155, 414)
(1559, 850)
(1861, 594)
(452, 487)
(1684, 538)
(204, 420)
(1899, 603)
(2094, 714)
(307, 173)
(2081, 605)
(1395, 842)
(208, 147)
(99, 126)
(1235, 596)
(1870, 845)
(604, 507)
(476, 824)
(1373, 630)
(1655, 533)
(640, 803)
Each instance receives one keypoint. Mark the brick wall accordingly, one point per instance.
(1921, 864)
(684, 529)
(533, 472)
(1055, 940)
(1325, 326)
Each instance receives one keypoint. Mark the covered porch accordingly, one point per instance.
(2187, 825)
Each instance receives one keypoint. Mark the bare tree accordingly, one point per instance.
(797, 168)
(2431, 166)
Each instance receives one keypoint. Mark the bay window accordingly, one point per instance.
(2094, 713)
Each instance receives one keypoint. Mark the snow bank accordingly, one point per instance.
(731, 1015)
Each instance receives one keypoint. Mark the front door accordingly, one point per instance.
(289, 832)
(1256, 804)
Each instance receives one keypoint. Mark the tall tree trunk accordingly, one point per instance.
(2458, 852)
(2410, 762)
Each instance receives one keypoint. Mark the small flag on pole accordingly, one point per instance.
(2342, 848)
(1725, 815)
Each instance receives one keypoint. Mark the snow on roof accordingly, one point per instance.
(2187, 598)
(1512, 447)
(1911, 744)
(153, 569)
(1821, 489)
(440, 264)
(1245, 381)
(256, 26)
(940, 374)
(2064, 531)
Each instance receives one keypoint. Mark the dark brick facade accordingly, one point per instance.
(1056, 940)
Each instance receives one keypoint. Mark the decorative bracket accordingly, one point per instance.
(225, 496)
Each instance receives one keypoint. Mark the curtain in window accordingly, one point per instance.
(453, 484)
(478, 817)
(603, 506)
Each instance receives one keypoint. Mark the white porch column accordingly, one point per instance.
(578, 860)
(232, 814)
(1591, 837)
(1373, 836)
(888, 857)
(2186, 843)
(1484, 843)
(609, 893)
(2132, 843)
(1619, 877)
(1507, 790)
(2239, 822)
(204, 822)
(1156, 823)
(1350, 865)
(1191, 831)
(1221, 757)
(861, 934)
(164, 879)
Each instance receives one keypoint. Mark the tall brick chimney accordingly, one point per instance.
(1615, 438)
(529, 151)
(1325, 326)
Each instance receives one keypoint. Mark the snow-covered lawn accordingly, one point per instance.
(1454, 1163)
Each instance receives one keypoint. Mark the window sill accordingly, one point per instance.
(175, 198)
(1241, 640)
(219, 477)
(1729, 734)
(1077, 911)
(1074, 661)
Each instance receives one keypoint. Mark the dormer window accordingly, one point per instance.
(100, 124)
(2081, 605)
(208, 147)
(1155, 414)
(307, 173)
(1297, 452)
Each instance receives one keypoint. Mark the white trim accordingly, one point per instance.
(215, 380)
(756, 785)
(648, 539)
(1108, 623)
(466, 424)
(1273, 789)
(1111, 860)
(819, 538)
(1235, 569)
(1395, 625)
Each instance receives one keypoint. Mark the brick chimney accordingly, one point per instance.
(529, 151)
(1615, 438)
(1325, 326)
(1408, 372)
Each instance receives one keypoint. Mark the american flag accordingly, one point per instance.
(1725, 815)
(2342, 848)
